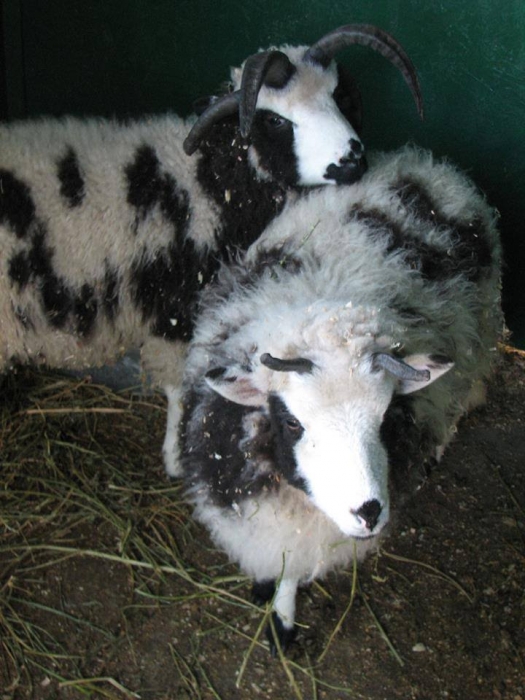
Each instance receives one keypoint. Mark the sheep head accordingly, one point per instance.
(300, 113)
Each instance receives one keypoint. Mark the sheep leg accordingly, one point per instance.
(170, 449)
(283, 616)
(263, 591)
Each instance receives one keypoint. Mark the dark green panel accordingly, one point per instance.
(130, 57)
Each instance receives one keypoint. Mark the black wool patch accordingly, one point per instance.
(144, 180)
(111, 296)
(468, 255)
(72, 185)
(267, 260)
(266, 263)
(36, 264)
(33, 262)
(17, 209)
(40, 255)
(165, 284)
(470, 252)
(409, 446)
(380, 226)
(149, 186)
(286, 432)
(166, 288)
(415, 198)
(85, 309)
(246, 204)
(275, 146)
(59, 301)
(19, 269)
(212, 453)
(471, 248)
(175, 206)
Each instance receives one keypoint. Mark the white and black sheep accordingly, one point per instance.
(312, 371)
(108, 230)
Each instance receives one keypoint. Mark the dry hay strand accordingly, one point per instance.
(84, 495)
(82, 477)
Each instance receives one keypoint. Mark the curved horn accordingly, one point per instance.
(274, 69)
(399, 368)
(223, 107)
(324, 50)
(298, 364)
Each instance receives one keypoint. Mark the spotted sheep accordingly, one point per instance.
(332, 362)
(108, 230)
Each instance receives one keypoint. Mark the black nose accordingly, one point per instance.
(351, 170)
(369, 512)
(351, 167)
(356, 147)
(355, 153)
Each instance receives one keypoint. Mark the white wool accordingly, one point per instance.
(280, 535)
(87, 239)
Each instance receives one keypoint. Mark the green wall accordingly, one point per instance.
(128, 57)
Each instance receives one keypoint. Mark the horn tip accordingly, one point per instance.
(189, 146)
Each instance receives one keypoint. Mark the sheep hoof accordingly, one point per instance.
(285, 635)
(263, 591)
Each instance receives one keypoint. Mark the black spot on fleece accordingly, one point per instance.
(165, 283)
(60, 303)
(468, 253)
(247, 204)
(17, 209)
(72, 186)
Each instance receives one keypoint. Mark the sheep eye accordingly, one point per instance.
(275, 121)
(293, 425)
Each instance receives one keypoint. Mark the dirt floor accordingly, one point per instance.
(109, 590)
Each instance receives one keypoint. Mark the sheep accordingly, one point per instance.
(331, 362)
(108, 230)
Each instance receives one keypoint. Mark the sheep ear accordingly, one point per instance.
(436, 365)
(235, 385)
(236, 76)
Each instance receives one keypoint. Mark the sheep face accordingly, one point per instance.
(302, 133)
(299, 113)
(326, 416)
